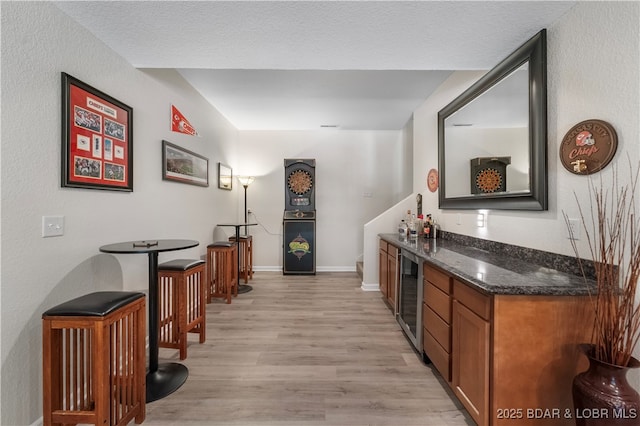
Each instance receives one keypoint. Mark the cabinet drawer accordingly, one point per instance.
(437, 278)
(384, 246)
(437, 300)
(477, 302)
(438, 356)
(439, 329)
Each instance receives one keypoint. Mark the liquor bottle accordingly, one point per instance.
(436, 230)
(402, 230)
(420, 225)
(428, 227)
(407, 220)
(413, 232)
(427, 230)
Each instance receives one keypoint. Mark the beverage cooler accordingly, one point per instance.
(299, 219)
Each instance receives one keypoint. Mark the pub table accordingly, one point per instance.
(242, 288)
(162, 379)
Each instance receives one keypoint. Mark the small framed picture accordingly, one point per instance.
(94, 126)
(225, 177)
(182, 165)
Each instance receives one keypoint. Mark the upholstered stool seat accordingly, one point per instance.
(245, 251)
(222, 270)
(181, 302)
(94, 360)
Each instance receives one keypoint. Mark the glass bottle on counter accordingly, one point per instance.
(402, 230)
(420, 225)
(435, 230)
(413, 232)
(428, 228)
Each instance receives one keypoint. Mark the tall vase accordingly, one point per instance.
(602, 396)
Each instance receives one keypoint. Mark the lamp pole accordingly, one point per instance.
(246, 214)
(245, 181)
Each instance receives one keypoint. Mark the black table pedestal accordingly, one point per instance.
(165, 380)
(244, 288)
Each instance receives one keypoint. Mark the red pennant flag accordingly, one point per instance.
(180, 124)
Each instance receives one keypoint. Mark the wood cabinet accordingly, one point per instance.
(470, 348)
(383, 271)
(504, 356)
(535, 355)
(436, 319)
(389, 273)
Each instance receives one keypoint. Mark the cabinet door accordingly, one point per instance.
(470, 362)
(393, 276)
(383, 273)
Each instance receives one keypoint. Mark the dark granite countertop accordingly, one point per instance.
(493, 273)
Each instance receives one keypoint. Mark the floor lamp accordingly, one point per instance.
(245, 181)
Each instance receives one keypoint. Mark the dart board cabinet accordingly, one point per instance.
(299, 219)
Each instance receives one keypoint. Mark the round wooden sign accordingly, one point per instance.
(432, 180)
(588, 147)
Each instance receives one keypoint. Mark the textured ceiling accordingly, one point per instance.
(301, 64)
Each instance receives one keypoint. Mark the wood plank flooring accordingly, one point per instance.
(305, 351)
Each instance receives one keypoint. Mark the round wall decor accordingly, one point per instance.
(432, 180)
(588, 147)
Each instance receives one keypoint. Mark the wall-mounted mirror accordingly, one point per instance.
(492, 139)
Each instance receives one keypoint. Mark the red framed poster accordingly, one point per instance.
(97, 138)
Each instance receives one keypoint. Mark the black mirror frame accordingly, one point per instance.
(534, 51)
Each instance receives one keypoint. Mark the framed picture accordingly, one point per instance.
(182, 165)
(225, 177)
(97, 138)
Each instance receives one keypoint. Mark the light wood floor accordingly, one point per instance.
(305, 351)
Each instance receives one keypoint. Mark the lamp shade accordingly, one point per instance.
(245, 180)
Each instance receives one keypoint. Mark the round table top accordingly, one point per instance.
(237, 224)
(148, 246)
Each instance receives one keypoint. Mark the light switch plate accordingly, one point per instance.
(52, 226)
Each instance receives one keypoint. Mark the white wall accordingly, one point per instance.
(38, 42)
(358, 175)
(386, 222)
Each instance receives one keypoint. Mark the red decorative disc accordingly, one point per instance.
(432, 180)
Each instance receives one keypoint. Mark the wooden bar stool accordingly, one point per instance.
(246, 256)
(222, 270)
(94, 360)
(181, 303)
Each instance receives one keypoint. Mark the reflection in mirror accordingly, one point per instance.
(492, 138)
(493, 125)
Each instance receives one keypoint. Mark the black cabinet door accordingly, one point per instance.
(299, 255)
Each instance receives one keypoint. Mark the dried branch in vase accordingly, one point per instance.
(612, 230)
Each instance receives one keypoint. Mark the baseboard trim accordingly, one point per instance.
(318, 269)
(370, 287)
(267, 268)
(336, 269)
